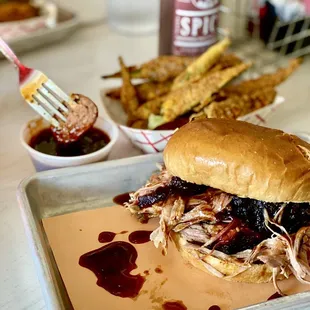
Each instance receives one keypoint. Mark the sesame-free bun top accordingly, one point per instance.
(241, 159)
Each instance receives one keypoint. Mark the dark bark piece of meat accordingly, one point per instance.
(81, 117)
(160, 194)
(176, 187)
(295, 216)
(184, 188)
(251, 211)
(240, 241)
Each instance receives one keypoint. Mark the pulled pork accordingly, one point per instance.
(226, 226)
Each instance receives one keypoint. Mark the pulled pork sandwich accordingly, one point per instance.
(234, 197)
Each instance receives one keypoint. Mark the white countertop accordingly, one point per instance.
(76, 65)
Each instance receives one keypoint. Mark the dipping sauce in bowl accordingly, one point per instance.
(93, 146)
(93, 140)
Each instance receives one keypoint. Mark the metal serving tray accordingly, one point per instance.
(67, 190)
(67, 23)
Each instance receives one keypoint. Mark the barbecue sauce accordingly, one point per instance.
(112, 265)
(121, 199)
(174, 305)
(139, 236)
(106, 236)
(93, 140)
(158, 270)
(214, 307)
(274, 296)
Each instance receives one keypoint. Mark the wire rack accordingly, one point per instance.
(243, 25)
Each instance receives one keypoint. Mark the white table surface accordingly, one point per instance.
(76, 65)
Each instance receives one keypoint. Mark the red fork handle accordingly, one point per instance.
(10, 55)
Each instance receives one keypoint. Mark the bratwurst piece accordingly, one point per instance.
(81, 117)
(234, 197)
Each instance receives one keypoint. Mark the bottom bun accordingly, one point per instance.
(231, 271)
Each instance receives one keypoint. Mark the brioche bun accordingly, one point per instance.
(241, 159)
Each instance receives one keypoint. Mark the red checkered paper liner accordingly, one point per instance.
(153, 141)
(14, 30)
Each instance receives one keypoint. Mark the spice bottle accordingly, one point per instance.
(188, 27)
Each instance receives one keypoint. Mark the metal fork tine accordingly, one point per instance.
(57, 92)
(40, 110)
(50, 101)
(43, 101)
(49, 97)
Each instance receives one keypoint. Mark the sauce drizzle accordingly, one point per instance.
(274, 296)
(139, 236)
(112, 265)
(106, 236)
(121, 199)
(158, 269)
(174, 305)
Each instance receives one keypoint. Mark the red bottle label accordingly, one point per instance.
(195, 25)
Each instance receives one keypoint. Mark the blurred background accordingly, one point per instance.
(281, 25)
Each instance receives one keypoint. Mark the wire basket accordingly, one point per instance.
(268, 44)
(291, 38)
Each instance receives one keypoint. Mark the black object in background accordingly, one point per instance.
(268, 21)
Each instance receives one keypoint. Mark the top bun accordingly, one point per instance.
(241, 159)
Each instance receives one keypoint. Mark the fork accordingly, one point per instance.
(41, 93)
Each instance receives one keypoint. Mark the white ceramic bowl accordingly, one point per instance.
(153, 141)
(43, 161)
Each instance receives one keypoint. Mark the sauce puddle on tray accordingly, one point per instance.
(140, 236)
(274, 296)
(108, 236)
(174, 305)
(158, 269)
(121, 199)
(112, 265)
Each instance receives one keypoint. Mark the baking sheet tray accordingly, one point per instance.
(67, 23)
(62, 191)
